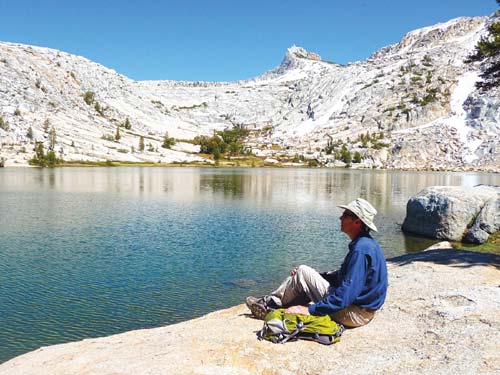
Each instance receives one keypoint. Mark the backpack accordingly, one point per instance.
(280, 327)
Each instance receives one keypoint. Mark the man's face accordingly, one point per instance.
(349, 222)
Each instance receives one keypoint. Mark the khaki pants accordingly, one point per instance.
(306, 286)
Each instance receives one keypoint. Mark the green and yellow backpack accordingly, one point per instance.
(280, 327)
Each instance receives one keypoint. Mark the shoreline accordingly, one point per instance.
(441, 316)
(233, 164)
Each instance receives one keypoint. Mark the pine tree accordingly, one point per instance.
(168, 142)
(117, 134)
(141, 143)
(39, 156)
(127, 125)
(46, 125)
(52, 138)
(98, 108)
(357, 157)
(39, 153)
(29, 133)
(346, 156)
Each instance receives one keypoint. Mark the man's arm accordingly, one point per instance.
(302, 310)
(348, 289)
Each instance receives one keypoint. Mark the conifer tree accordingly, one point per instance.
(117, 134)
(46, 125)
(487, 52)
(141, 143)
(168, 142)
(357, 157)
(52, 138)
(127, 125)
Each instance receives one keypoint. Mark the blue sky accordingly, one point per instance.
(219, 40)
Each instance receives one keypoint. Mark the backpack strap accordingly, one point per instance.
(295, 332)
(323, 339)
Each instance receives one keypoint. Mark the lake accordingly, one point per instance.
(88, 252)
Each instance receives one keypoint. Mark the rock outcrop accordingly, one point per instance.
(440, 317)
(456, 213)
(486, 223)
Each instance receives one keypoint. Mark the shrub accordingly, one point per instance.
(98, 108)
(107, 137)
(88, 97)
(345, 155)
(168, 142)
(357, 157)
(313, 163)
(127, 124)
(429, 98)
(427, 61)
(4, 124)
(428, 78)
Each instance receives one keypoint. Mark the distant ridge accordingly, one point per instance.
(411, 105)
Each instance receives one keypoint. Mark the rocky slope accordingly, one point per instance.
(440, 317)
(416, 99)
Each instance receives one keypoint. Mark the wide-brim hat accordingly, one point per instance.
(363, 210)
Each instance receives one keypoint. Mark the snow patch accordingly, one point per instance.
(465, 86)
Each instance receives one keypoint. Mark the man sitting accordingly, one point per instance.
(350, 295)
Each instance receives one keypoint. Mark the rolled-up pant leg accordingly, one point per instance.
(305, 286)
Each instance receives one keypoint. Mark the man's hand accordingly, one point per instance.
(302, 310)
(294, 271)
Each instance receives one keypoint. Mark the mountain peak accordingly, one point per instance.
(293, 56)
(299, 52)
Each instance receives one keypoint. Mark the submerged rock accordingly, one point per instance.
(454, 213)
(243, 283)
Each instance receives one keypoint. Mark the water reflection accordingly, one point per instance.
(282, 190)
(384, 188)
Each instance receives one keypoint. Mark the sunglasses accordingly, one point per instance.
(347, 214)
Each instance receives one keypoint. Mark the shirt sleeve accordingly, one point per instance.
(331, 277)
(349, 288)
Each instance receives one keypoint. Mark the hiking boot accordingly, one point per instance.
(257, 306)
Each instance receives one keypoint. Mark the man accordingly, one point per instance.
(350, 295)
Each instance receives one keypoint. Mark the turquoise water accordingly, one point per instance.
(88, 252)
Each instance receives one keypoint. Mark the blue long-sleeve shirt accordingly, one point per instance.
(361, 280)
